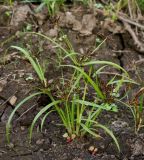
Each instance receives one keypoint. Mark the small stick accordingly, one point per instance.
(139, 45)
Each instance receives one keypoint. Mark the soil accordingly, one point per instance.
(17, 80)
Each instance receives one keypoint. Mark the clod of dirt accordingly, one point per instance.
(113, 27)
(40, 18)
(4, 15)
(108, 157)
(20, 14)
(40, 141)
(88, 24)
(3, 82)
(52, 32)
(119, 125)
(4, 117)
(76, 26)
(84, 27)
(70, 20)
(138, 147)
(22, 128)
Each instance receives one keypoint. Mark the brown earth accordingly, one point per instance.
(84, 30)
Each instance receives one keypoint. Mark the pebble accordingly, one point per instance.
(40, 141)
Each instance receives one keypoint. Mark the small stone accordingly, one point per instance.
(10, 145)
(73, 136)
(50, 81)
(40, 141)
(91, 148)
(41, 150)
(13, 100)
(65, 135)
(22, 128)
(95, 150)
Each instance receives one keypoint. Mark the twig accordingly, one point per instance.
(26, 112)
(127, 22)
(121, 17)
(131, 22)
(140, 46)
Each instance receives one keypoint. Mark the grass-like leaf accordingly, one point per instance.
(95, 85)
(35, 64)
(44, 118)
(90, 131)
(106, 63)
(8, 125)
(42, 111)
(92, 104)
(109, 132)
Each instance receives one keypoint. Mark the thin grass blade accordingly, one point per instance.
(43, 110)
(8, 125)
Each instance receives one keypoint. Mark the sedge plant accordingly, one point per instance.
(78, 115)
(137, 106)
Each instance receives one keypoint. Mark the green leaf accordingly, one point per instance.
(44, 118)
(90, 131)
(43, 110)
(106, 63)
(110, 133)
(8, 125)
(35, 64)
(104, 106)
(96, 87)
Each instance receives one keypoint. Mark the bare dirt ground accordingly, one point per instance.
(84, 30)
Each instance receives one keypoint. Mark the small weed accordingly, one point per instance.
(52, 6)
(137, 107)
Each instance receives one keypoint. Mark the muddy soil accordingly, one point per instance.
(85, 31)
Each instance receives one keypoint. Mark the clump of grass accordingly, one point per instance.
(135, 104)
(78, 115)
(52, 6)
